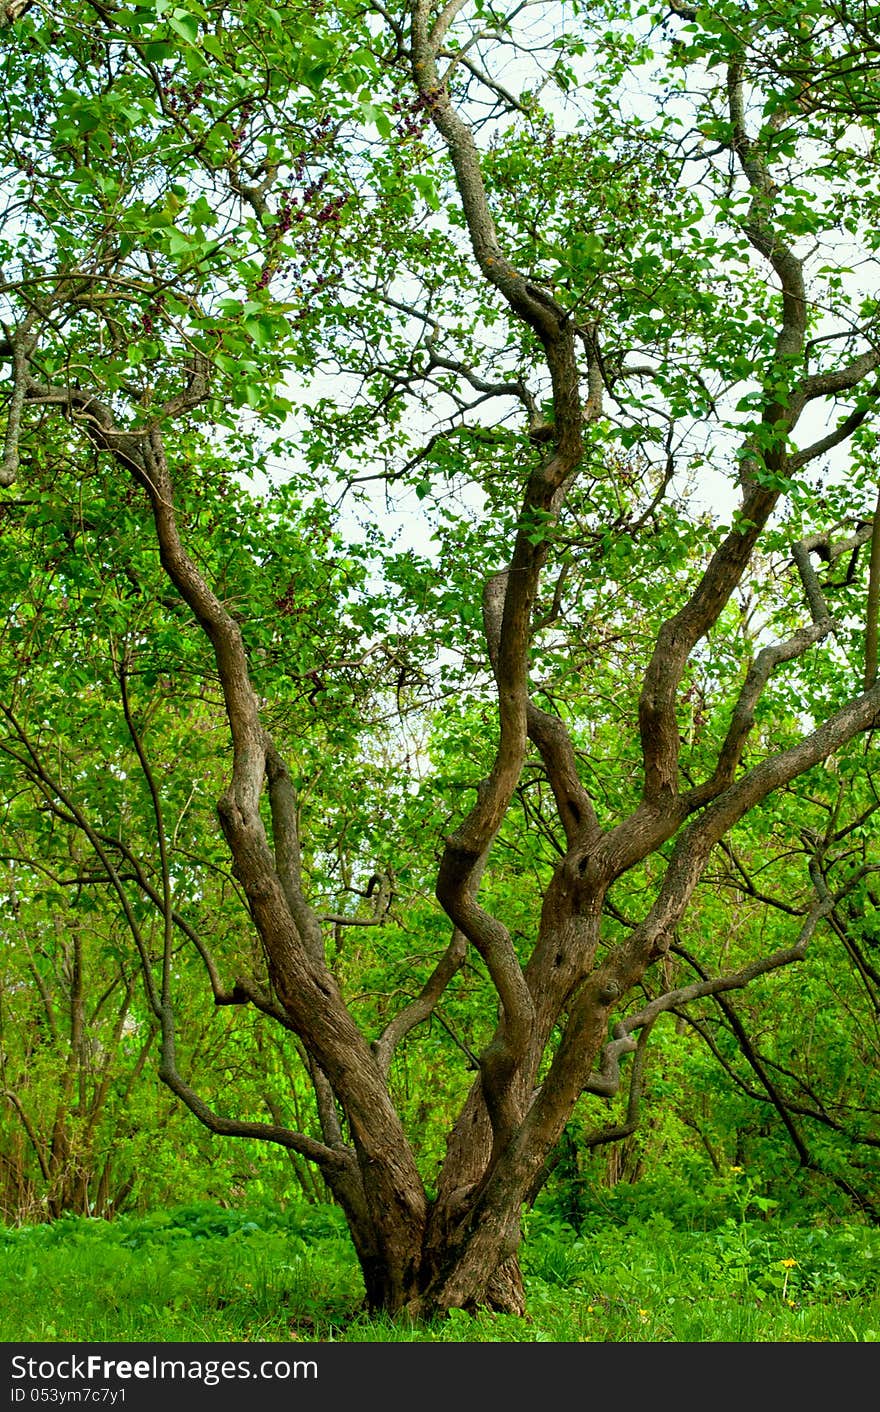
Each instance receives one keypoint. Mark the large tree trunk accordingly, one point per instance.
(468, 1257)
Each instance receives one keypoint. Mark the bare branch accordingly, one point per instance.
(457, 57)
(831, 550)
(735, 980)
(842, 433)
(840, 379)
(158, 815)
(600, 1137)
(548, 732)
(743, 718)
(789, 269)
(52, 791)
(515, 389)
(676, 640)
(605, 1081)
(327, 1158)
(16, 1103)
(425, 1002)
(680, 634)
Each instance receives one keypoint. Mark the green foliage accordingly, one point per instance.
(234, 231)
(198, 1273)
(203, 1273)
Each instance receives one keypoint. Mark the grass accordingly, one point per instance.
(203, 1274)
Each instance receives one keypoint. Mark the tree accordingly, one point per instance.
(619, 259)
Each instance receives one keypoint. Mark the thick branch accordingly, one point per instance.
(627, 962)
(534, 305)
(830, 550)
(840, 379)
(605, 1081)
(22, 347)
(288, 859)
(468, 846)
(676, 640)
(757, 226)
(680, 634)
(812, 588)
(248, 736)
(547, 732)
(308, 992)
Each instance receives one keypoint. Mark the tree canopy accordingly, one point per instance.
(441, 563)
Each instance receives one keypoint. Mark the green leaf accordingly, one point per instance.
(184, 24)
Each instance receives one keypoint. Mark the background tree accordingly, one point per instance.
(631, 315)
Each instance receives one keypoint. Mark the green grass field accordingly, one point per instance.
(201, 1273)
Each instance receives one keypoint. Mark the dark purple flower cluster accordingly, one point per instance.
(286, 604)
(285, 212)
(412, 117)
(291, 209)
(238, 134)
(150, 314)
(312, 210)
(180, 99)
(331, 211)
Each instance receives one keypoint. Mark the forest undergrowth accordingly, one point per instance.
(203, 1273)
